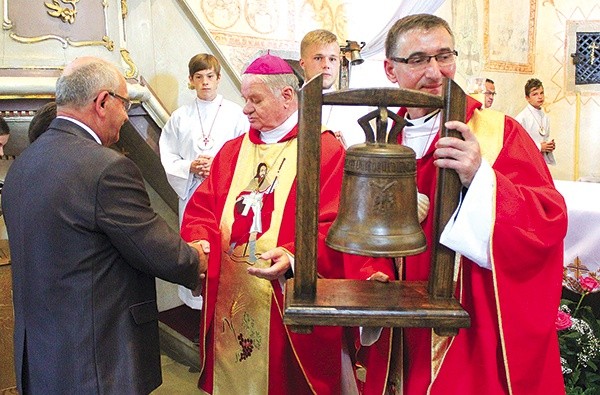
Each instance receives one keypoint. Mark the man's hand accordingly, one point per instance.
(281, 264)
(464, 156)
(203, 249)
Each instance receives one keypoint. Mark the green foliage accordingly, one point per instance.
(580, 349)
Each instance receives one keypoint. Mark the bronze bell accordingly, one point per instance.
(378, 206)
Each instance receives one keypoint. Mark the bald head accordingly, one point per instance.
(82, 61)
(83, 79)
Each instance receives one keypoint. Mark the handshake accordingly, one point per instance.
(203, 249)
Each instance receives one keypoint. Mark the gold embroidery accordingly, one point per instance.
(488, 126)
(243, 307)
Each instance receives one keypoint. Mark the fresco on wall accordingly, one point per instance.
(465, 18)
(71, 22)
(243, 28)
(509, 36)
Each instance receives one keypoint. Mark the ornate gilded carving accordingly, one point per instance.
(132, 72)
(106, 41)
(6, 23)
(67, 14)
(124, 10)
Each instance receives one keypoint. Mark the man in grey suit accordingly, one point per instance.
(86, 247)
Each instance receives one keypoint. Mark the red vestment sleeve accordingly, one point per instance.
(512, 342)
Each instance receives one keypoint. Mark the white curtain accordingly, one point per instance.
(407, 7)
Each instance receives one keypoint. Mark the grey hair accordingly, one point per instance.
(276, 82)
(82, 85)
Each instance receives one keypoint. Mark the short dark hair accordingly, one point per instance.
(41, 120)
(411, 22)
(4, 129)
(489, 81)
(204, 61)
(532, 84)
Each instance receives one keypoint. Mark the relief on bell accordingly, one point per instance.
(378, 203)
(384, 197)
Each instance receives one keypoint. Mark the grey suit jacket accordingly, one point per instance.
(85, 249)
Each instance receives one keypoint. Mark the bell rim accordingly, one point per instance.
(379, 253)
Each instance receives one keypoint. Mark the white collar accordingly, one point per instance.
(421, 134)
(84, 126)
(532, 108)
(274, 135)
(416, 126)
(216, 100)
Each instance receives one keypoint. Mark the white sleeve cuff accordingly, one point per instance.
(282, 279)
(468, 231)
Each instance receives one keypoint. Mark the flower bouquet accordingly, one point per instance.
(579, 339)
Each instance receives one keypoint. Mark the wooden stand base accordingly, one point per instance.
(393, 304)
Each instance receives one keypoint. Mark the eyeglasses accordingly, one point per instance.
(126, 102)
(488, 93)
(421, 61)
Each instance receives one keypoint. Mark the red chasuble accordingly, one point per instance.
(297, 363)
(512, 345)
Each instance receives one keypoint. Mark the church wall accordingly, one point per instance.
(510, 63)
(551, 63)
(160, 39)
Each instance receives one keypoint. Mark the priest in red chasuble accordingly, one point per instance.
(509, 229)
(244, 216)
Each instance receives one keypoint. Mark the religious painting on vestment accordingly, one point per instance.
(252, 215)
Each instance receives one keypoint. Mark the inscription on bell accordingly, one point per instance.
(379, 166)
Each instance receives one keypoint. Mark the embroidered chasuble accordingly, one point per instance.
(245, 207)
(243, 307)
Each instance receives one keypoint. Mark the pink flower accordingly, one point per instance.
(563, 321)
(589, 283)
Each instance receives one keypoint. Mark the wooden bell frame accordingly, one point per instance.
(313, 301)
